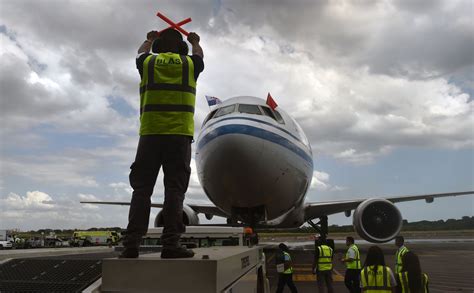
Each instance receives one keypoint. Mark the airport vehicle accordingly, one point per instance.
(5, 244)
(87, 238)
(199, 236)
(255, 164)
(5, 236)
(5, 240)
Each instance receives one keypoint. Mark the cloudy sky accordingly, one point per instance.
(383, 90)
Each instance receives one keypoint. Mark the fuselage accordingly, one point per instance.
(254, 163)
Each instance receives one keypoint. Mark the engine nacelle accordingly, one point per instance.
(377, 220)
(190, 217)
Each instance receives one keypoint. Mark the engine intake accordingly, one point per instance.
(190, 217)
(377, 220)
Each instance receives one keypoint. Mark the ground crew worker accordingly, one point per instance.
(375, 277)
(411, 279)
(322, 265)
(399, 242)
(167, 100)
(353, 266)
(286, 276)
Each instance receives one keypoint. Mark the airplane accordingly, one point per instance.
(255, 164)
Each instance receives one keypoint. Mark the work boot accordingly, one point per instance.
(129, 252)
(176, 252)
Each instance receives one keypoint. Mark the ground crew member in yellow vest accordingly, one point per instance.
(322, 265)
(399, 242)
(353, 266)
(411, 279)
(375, 276)
(285, 276)
(167, 100)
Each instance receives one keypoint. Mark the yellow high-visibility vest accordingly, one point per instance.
(325, 258)
(404, 282)
(376, 281)
(398, 258)
(355, 264)
(167, 95)
(289, 270)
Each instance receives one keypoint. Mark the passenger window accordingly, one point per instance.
(249, 109)
(224, 111)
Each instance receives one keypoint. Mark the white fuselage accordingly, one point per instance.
(248, 161)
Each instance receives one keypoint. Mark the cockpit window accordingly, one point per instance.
(209, 117)
(268, 112)
(249, 109)
(224, 111)
(273, 114)
(278, 117)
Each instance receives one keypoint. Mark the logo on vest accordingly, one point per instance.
(167, 62)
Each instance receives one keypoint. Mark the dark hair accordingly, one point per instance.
(318, 242)
(374, 257)
(283, 247)
(400, 239)
(411, 265)
(350, 239)
(170, 40)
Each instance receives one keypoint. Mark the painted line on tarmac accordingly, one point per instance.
(310, 277)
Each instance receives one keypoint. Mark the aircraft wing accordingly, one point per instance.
(203, 209)
(319, 209)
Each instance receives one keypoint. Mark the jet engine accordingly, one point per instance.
(190, 217)
(377, 220)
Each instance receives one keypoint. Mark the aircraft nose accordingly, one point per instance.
(232, 165)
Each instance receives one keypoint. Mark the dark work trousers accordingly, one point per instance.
(352, 280)
(173, 152)
(324, 277)
(286, 279)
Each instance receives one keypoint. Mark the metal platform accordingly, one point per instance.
(48, 275)
(214, 269)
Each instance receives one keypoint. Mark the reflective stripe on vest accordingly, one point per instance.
(355, 264)
(398, 258)
(167, 95)
(325, 258)
(290, 269)
(376, 281)
(404, 280)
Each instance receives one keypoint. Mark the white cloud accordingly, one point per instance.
(32, 200)
(60, 170)
(122, 188)
(321, 180)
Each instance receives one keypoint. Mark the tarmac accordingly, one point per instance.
(449, 264)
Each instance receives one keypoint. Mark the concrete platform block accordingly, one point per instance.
(210, 270)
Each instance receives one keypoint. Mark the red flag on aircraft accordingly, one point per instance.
(271, 102)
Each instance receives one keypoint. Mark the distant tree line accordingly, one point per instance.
(465, 223)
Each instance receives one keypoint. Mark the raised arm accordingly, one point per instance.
(146, 46)
(194, 39)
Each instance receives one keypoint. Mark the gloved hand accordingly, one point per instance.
(193, 38)
(152, 35)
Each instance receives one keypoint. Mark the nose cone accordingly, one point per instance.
(229, 168)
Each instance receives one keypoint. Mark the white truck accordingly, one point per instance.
(5, 240)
